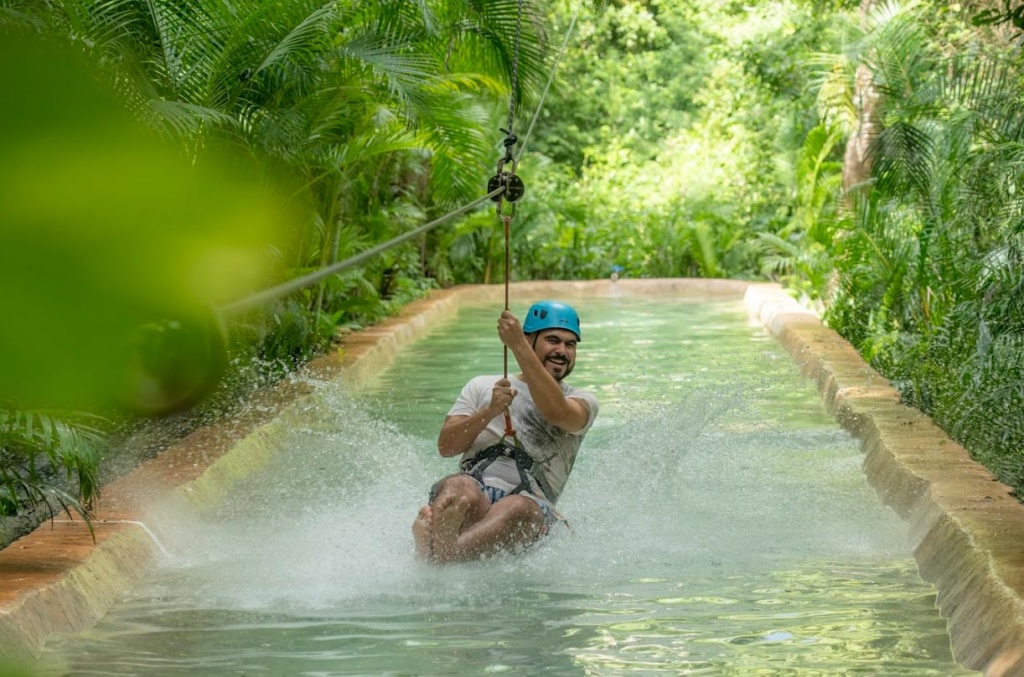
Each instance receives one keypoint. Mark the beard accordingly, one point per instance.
(567, 366)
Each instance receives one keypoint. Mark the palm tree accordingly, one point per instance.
(35, 448)
(371, 115)
(931, 258)
(321, 86)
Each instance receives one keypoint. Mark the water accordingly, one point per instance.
(720, 524)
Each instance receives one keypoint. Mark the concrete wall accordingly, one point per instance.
(966, 527)
(967, 530)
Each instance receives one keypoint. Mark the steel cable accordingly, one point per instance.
(551, 78)
(274, 293)
(294, 285)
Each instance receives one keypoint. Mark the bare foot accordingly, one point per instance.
(423, 533)
(449, 514)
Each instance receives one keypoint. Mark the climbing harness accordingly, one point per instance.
(531, 472)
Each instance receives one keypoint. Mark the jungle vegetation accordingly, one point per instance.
(863, 153)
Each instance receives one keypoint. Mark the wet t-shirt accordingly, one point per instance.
(546, 443)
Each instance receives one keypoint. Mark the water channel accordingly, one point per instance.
(720, 525)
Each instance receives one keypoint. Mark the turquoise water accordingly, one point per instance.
(720, 525)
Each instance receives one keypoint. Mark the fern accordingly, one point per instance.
(36, 447)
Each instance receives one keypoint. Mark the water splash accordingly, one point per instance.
(671, 485)
(720, 522)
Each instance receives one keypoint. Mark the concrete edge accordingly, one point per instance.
(966, 527)
(57, 579)
(68, 582)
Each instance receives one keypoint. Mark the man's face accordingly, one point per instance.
(556, 349)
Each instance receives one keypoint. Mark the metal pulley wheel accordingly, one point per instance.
(514, 187)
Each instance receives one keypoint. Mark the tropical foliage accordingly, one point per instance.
(929, 256)
(35, 448)
(865, 154)
(368, 118)
(672, 143)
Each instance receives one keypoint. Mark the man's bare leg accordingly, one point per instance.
(512, 522)
(449, 491)
(423, 533)
(460, 525)
(449, 513)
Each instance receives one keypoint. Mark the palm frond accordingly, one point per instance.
(36, 445)
(310, 33)
(462, 154)
(365, 147)
(402, 73)
(903, 159)
(186, 120)
(486, 38)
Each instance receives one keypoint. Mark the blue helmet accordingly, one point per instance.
(552, 315)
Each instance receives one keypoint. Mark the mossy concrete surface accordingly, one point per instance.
(966, 527)
(967, 530)
(58, 579)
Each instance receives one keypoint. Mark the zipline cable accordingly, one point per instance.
(551, 78)
(294, 285)
(513, 188)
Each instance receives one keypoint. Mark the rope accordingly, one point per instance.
(506, 220)
(294, 285)
(510, 140)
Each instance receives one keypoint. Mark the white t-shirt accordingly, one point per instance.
(554, 448)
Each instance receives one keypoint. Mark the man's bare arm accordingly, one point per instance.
(459, 432)
(567, 413)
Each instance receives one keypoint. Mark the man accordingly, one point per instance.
(503, 500)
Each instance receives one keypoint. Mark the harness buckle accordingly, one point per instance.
(503, 448)
(525, 464)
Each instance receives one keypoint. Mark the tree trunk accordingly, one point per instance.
(329, 245)
(857, 159)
